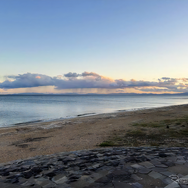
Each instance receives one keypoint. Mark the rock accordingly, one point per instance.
(29, 182)
(135, 177)
(144, 170)
(14, 180)
(73, 177)
(147, 164)
(60, 179)
(36, 170)
(155, 175)
(121, 185)
(27, 174)
(173, 185)
(102, 168)
(137, 185)
(104, 180)
(83, 181)
(161, 154)
(121, 175)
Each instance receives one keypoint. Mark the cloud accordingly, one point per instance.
(89, 80)
(27, 80)
(71, 75)
(165, 78)
(84, 74)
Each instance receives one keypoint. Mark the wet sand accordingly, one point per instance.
(41, 138)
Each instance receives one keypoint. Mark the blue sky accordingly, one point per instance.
(123, 39)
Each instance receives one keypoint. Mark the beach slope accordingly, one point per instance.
(133, 128)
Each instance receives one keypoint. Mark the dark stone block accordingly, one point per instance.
(144, 170)
(168, 163)
(50, 174)
(73, 177)
(36, 170)
(4, 173)
(161, 154)
(115, 163)
(121, 185)
(104, 180)
(27, 174)
(121, 175)
(14, 180)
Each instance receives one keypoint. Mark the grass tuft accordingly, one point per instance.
(106, 144)
(152, 134)
(136, 133)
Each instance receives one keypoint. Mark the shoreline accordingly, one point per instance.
(89, 114)
(79, 133)
(26, 123)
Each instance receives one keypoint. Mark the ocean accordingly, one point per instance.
(15, 109)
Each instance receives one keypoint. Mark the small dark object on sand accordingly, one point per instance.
(167, 127)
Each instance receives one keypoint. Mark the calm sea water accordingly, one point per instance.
(18, 109)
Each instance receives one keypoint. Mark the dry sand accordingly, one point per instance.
(79, 133)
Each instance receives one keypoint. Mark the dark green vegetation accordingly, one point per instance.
(169, 132)
(107, 143)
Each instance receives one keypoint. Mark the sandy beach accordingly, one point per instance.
(28, 140)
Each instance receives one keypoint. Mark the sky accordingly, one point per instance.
(93, 46)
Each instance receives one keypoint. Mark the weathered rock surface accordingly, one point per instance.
(134, 167)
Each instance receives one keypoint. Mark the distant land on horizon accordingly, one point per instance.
(78, 94)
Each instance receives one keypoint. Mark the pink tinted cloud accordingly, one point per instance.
(92, 80)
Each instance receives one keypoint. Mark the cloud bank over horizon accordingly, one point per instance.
(92, 80)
